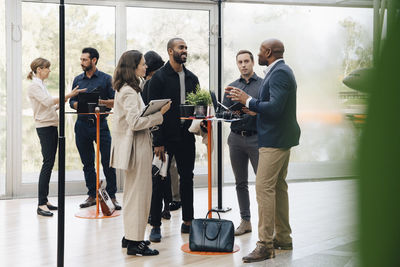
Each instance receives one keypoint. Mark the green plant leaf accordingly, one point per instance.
(201, 97)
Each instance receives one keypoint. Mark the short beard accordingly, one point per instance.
(178, 58)
(88, 68)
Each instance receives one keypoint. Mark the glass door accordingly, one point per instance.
(85, 26)
(151, 29)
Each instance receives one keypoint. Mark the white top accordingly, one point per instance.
(44, 110)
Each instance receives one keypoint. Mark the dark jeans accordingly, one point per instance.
(85, 135)
(184, 152)
(48, 137)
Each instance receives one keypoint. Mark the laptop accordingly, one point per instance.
(84, 99)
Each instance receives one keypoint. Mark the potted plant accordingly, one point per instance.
(200, 99)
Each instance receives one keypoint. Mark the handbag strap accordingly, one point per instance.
(205, 231)
(212, 210)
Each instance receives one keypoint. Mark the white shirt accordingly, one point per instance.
(266, 71)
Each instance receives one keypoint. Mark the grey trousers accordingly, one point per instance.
(241, 149)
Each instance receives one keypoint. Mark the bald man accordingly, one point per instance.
(277, 131)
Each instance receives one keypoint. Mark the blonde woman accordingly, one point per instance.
(131, 149)
(46, 121)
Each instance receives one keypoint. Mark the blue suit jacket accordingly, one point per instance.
(276, 109)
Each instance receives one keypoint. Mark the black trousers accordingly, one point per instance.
(184, 152)
(85, 135)
(48, 141)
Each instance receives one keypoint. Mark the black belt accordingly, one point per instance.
(90, 119)
(245, 133)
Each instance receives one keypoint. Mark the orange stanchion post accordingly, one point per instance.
(90, 213)
(209, 167)
(97, 159)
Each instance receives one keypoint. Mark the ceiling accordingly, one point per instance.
(334, 3)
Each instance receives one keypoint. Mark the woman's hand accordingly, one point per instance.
(165, 108)
(76, 91)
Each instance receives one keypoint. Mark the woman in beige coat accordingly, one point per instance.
(131, 149)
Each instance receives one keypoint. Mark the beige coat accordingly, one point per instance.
(131, 150)
(130, 133)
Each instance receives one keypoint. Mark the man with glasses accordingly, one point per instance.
(85, 127)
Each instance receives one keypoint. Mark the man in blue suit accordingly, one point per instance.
(277, 131)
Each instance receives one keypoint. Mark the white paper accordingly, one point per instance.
(162, 166)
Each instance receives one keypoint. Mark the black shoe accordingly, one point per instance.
(149, 219)
(155, 234)
(51, 207)
(116, 204)
(90, 201)
(174, 205)
(125, 242)
(44, 212)
(141, 249)
(166, 214)
(185, 229)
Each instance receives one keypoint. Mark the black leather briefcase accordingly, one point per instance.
(214, 235)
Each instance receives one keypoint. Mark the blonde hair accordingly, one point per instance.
(38, 63)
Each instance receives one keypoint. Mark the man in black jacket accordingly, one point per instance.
(174, 81)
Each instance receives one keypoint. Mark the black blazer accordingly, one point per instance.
(276, 109)
(165, 84)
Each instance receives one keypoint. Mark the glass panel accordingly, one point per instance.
(3, 94)
(323, 45)
(160, 26)
(85, 26)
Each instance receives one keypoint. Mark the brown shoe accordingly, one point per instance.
(90, 201)
(260, 253)
(282, 246)
(244, 227)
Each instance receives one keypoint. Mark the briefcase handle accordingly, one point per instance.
(212, 210)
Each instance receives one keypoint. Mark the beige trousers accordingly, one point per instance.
(137, 199)
(272, 196)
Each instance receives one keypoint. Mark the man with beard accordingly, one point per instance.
(277, 131)
(85, 127)
(174, 81)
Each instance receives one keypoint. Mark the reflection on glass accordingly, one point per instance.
(85, 26)
(3, 94)
(323, 45)
(161, 26)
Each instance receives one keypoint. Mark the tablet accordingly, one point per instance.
(154, 106)
(236, 106)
